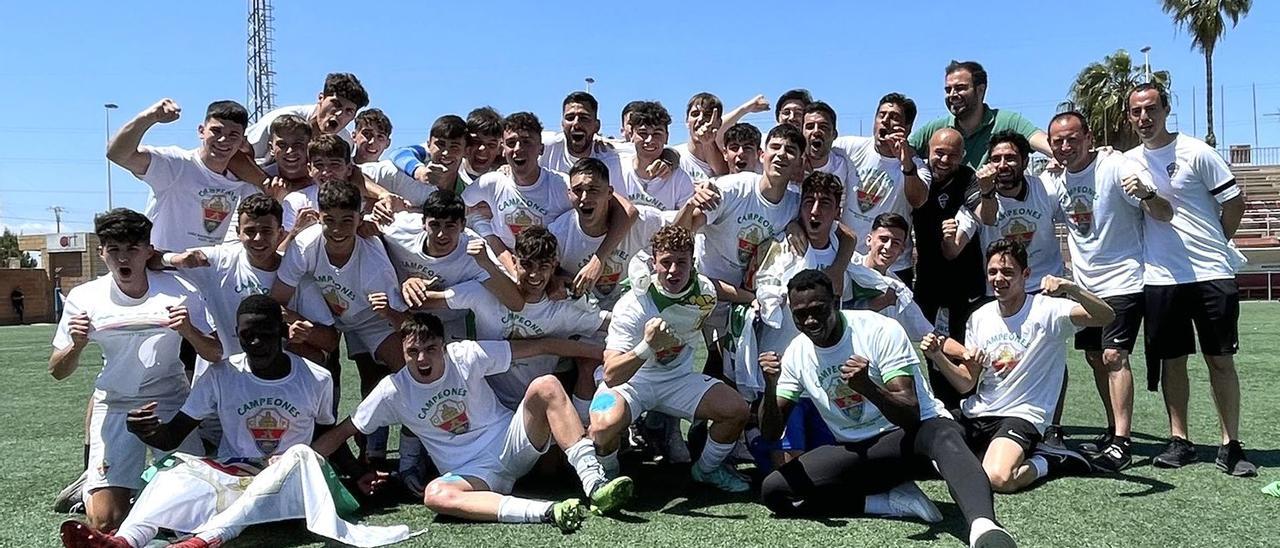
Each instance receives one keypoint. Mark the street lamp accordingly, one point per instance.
(108, 108)
(590, 81)
(1146, 61)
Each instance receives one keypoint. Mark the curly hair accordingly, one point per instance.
(672, 239)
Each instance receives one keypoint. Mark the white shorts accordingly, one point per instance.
(515, 457)
(676, 395)
(366, 336)
(117, 457)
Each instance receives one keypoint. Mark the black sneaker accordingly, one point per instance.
(1054, 437)
(1231, 460)
(1063, 462)
(1114, 457)
(1100, 443)
(1177, 454)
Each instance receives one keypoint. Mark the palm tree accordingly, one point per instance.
(1204, 20)
(1101, 94)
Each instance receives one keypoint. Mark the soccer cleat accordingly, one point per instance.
(908, 500)
(984, 533)
(1063, 462)
(194, 542)
(1177, 454)
(1097, 446)
(721, 478)
(1114, 457)
(568, 515)
(608, 496)
(1231, 460)
(75, 534)
(1054, 437)
(71, 495)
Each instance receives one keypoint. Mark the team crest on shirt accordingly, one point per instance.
(1080, 212)
(332, 298)
(266, 427)
(1006, 356)
(215, 208)
(451, 416)
(1020, 229)
(519, 327)
(750, 237)
(873, 186)
(846, 399)
(943, 200)
(1171, 169)
(521, 219)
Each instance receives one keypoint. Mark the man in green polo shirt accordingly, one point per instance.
(966, 92)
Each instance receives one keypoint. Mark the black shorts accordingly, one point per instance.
(1212, 307)
(979, 432)
(1122, 332)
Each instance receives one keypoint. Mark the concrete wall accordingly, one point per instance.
(37, 291)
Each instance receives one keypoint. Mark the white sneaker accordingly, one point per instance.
(908, 500)
(984, 533)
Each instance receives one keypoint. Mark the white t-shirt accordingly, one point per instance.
(139, 352)
(684, 314)
(190, 205)
(1030, 221)
(307, 197)
(345, 290)
(262, 417)
(776, 340)
(1027, 356)
(698, 170)
(407, 243)
(457, 417)
(666, 194)
(809, 370)
(575, 249)
(1104, 224)
(556, 157)
(386, 175)
(876, 185)
(259, 133)
(742, 221)
(230, 278)
(1196, 181)
(516, 207)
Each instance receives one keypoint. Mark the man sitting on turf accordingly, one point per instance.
(481, 446)
(1019, 355)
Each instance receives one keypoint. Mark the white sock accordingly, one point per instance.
(137, 534)
(582, 456)
(610, 464)
(713, 454)
(877, 505)
(1039, 465)
(583, 407)
(517, 510)
(216, 537)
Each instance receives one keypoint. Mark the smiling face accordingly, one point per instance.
(885, 246)
(259, 236)
(946, 153)
(1009, 167)
(127, 261)
(649, 142)
(483, 152)
(819, 133)
(424, 356)
(818, 211)
(521, 148)
(261, 337)
(220, 139)
(781, 159)
(442, 235)
(339, 225)
(447, 152)
(700, 114)
(1007, 277)
(289, 148)
(328, 170)
(580, 126)
(333, 113)
(1147, 114)
(589, 194)
(1070, 143)
(533, 275)
(673, 269)
(792, 112)
(814, 313)
(370, 143)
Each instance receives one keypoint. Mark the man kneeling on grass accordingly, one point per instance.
(482, 447)
(270, 404)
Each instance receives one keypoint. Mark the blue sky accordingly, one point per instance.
(420, 60)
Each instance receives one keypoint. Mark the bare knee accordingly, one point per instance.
(545, 389)
(1001, 479)
(440, 496)
(107, 508)
(1221, 364)
(1114, 359)
(607, 416)
(734, 411)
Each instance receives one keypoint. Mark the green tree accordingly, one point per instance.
(1101, 94)
(9, 248)
(1205, 21)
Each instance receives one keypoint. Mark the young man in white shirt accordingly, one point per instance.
(863, 376)
(701, 157)
(654, 345)
(193, 199)
(819, 128)
(290, 135)
(579, 124)
(885, 244)
(1189, 276)
(372, 136)
(1018, 345)
(328, 160)
(648, 124)
(1105, 197)
(418, 171)
(335, 107)
(481, 447)
(139, 318)
(742, 148)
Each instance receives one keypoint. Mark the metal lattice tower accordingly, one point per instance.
(260, 75)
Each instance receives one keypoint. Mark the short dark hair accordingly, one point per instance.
(1084, 124)
(818, 182)
(291, 123)
(261, 205)
(905, 103)
(823, 108)
(582, 98)
(799, 95)
(672, 239)
(650, 113)
(261, 304)
(1012, 137)
(484, 121)
(374, 117)
(345, 85)
(422, 326)
(523, 121)
(590, 166)
(1148, 86)
(742, 132)
(891, 220)
(811, 279)
(628, 109)
(227, 111)
(449, 126)
(788, 132)
(1008, 247)
(122, 225)
(328, 145)
(444, 205)
(339, 195)
(704, 99)
(535, 243)
(974, 69)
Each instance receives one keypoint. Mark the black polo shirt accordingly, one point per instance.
(940, 280)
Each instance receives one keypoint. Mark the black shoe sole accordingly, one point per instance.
(1160, 463)
(1223, 468)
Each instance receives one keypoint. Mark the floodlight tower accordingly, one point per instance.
(260, 76)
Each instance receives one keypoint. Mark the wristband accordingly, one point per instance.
(166, 260)
(643, 350)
